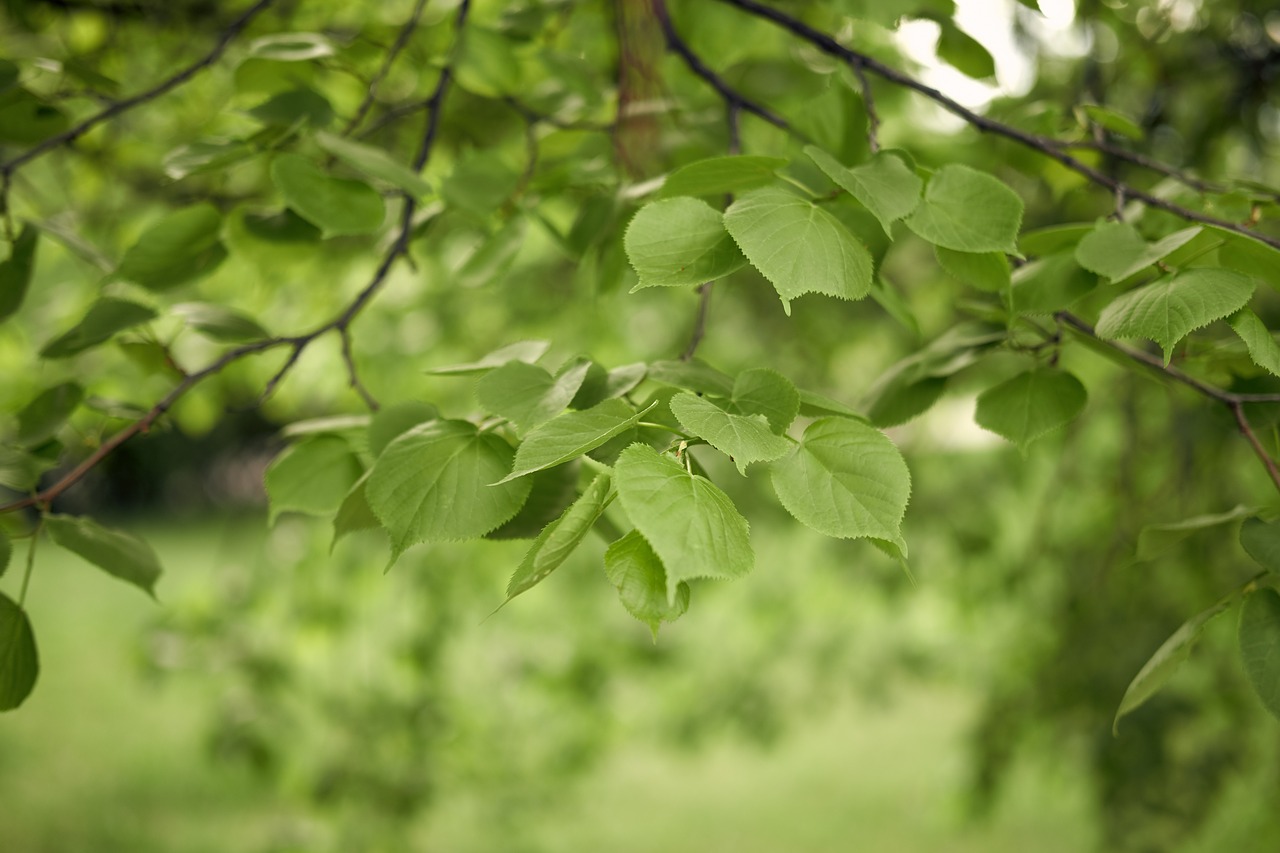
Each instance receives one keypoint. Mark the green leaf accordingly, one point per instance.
(1258, 339)
(846, 479)
(884, 184)
(636, 572)
(745, 439)
(291, 47)
(1157, 671)
(287, 110)
(694, 375)
(964, 53)
(376, 163)
(1261, 541)
(117, 553)
(1031, 404)
(1170, 309)
(491, 260)
(679, 242)
(354, 513)
(571, 435)
(552, 491)
(717, 176)
(1050, 283)
(1260, 645)
(987, 271)
(488, 64)
(393, 421)
(1112, 120)
(15, 273)
(348, 426)
(6, 552)
(311, 477)
(799, 247)
(814, 405)
(431, 484)
(479, 184)
(205, 156)
(183, 246)
(528, 351)
(527, 395)
(1245, 254)
(969, 211)
(19, 661)
(891, 300)
(40, 419)
(21, 471)
(1116, 250)
(220, 323)
(693, 527)
(1054, 238)
(1157, 539)
(761, 391)
(558, 539)
(904, 397)
(104, 319)
(27, 120)
(334, 205)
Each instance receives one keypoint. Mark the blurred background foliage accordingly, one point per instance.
(286, 698)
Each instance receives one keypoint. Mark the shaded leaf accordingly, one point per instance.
(1031, 404)
(1157, 539)
(694, 375)
(1260, 645)
(117, 553)
(527, 395)
(312, 477)
(287, 110)
(19, 661)
(987, 271)
(1112, 120)
(220, 323)
(393, 421)
(964, 53)
(183, 246)
(40, 419)
(1261, 541)
(717, 176)
(1258, 339)
(6, 552)
(15, 272)
(884, 184)
(1116, 250)
(376, 163)
(552, 491)
(636, 572)
(104, 319)
(354, 513)
(571, 435)
(558, 539)
(335, 205)
(527, 351)
(205, 156)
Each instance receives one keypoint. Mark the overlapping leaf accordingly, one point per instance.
(716, 176)
(679, 242)
(884, 184)
(1116, 250)
(1031, 404)
(1260, 645)
(745, 439)
(311, 477)
(636, 572)
(1258, 339)
(571, 435)
(969, 211)
(526, 394)
(560, 537)
(183, 246)
(19, 661)
(336, 206)
(117, 553)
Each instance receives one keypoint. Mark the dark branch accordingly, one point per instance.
(402, 39)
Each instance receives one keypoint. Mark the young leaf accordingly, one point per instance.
(1260, 645)
(1116, 250)
(527, 395)
(679, 242)
(117, 553)
(374, 162)
(1261, 541)
(761, 391)
(846, 480)
(1030, 404)
(969, 211)
(40, 419)
(311, 477)
(1170, 309)
(693, 527)
(638, 575)
(393, 421)
(183, 246)
(558, 539)
(884, 184)
(1157, 539)
(19, 661)
(1258, 339)
(571, 435)
(987, 271)
(745, 439)
(527, 351)
(15, 272)
(799, 247)
(220, 323)
(716, 176)
(334, 205)
(104, 319)
(431, 484)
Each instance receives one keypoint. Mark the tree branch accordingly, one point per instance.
(402, 39)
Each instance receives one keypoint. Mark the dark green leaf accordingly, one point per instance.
(15, 273)
(376, 163)
(1260, 645)
(1261, 540)
(354, 513)
(334, 205)
(1157, 539)
(120, 554)
(312, 477)
(40, 419)
(205, 156)
(6, 552)
(964, 53)
(104, 319)
(1031, 404)
(21, 471)
(183, 246)
(19, 661)
(220, 323)
(289, 109)
(552, 492)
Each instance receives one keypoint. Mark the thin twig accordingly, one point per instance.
(353, 372)
(1151, 164)
(402, 39)
(869, 104)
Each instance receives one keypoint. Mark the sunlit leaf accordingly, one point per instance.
(680, 242)
(745, 439)
(969, 211)
(570, 436)
(558, 539)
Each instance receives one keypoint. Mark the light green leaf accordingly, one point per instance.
(431, 484)
(1054, 238)
(393, 421)
(220, 323)
(183, 246)
(571, 435)
(745, 439)
(1031, 404)
(104, 318)
(21, 471)
(40, 419)
(1260, 645)
(1112, 120)
(19, 661)
(291, 47)
(694, 374)
(678, 242)
(376, 163)
(846, 480)
(638, 575)
(761, 391)
(348, 426)
(527, 395)
(969, 211)
(987, 271)
(720, 175)
(1261, 541)
(1157, 539)
(1258, 339)
(491, 260)
(15, 272)
(558, 539)
(527, 351)
(120, 554)
(334, 205)
(488, 65)
(1170, 309)
(205, 156)
(1240, 252)
(799, 247)
(891, 300)
(1116, 250)
(693, 527)
(884, 184)
(311, 477)
(964, 53)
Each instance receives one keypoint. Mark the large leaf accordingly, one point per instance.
(884, 184)
(104, 319)
(693, 527)
(311, 477)
(1170, 309)
(745, 439)
(15, 272)
(638, 575)
(560, 537)
(1116, 250)
(527, 351)
(1260, 645)
(40, 419)
(527, 395)
(334, 205)
(719, 175)
(679, 242)
(19, 661)
(1031, 404)
(846, 479)
(1258, 339)
(183, 246)
(571, 435)
(969, 211)
(1261, 541)
(432, 484)
(761, 391)
(117, 553)
(374, 162)
(799, 247)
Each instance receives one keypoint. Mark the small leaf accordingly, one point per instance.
(393, 421)
(969, 211)
(376, 163)
(761, 391)
(1054, 238)
(1116, 250)
(846, 479)
(693, 527)
(964, 53)
(15, 273)
(1157, 539)
(312, 477)
(182, 247)
(220, 323)
(288, 110)
(19, 661)
(40, 419)
(799, 247)
(1031, 404)
(527, 395)
(117, 553)
(21, 471)
(558, 539)
(1261, 541)
(717, 176)
(745, 439)
(987, 271)
(678, 242)
(1170, 309)
(291, 47)
(104, 319)
(1260, 645)
(694, 375)
(571, 435)
(354, 513)
(334, 205)
(638, 575)
(527, 351)
(884, 184)
(1112, 120)
(347, 426)
(1258, 339)
(904, 397)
